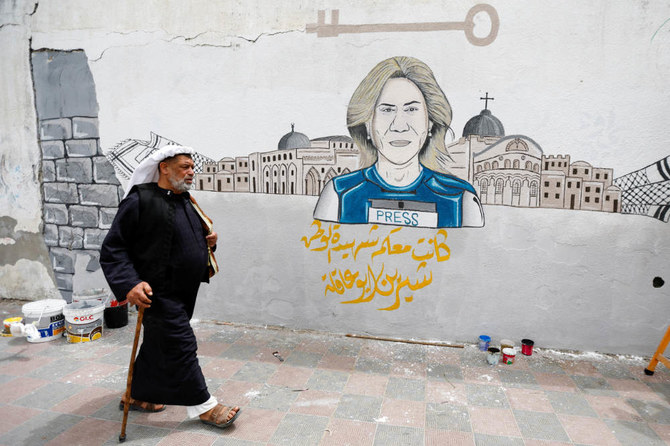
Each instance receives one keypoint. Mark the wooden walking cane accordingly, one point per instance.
(126, 404)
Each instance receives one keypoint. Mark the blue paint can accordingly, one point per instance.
(484, 342)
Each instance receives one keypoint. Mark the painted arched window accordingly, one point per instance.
(483, 187)
(499, 186)
(533, 189)
(516, 187)
(516, 164)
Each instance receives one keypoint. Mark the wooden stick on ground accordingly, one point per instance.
(407, 341)
(126, 404)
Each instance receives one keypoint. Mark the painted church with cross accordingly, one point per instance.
(513, 170)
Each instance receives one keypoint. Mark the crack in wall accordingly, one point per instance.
(190, 40)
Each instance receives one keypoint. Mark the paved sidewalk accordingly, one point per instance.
(334, 390)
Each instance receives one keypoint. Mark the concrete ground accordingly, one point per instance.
(334, 390)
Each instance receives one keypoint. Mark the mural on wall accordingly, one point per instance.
(647, 191)
(335, 28)
(128, 154)
(483, 167)
(81, 190)
(398, 117)
(370, 281)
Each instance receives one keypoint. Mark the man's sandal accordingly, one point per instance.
(143, 406)
(218, 417)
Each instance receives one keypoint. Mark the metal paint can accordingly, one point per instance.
(506, 343)
(508, 355)
(493, 356)
(527, 347)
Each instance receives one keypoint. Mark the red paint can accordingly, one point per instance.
(508, 355)
(527, 347)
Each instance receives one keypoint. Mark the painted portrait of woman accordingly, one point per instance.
(398, 117)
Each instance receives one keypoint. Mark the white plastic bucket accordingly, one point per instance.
(83, 321)
(93, 296)
(47, 316)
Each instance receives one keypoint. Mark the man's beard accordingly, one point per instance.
(180, 185)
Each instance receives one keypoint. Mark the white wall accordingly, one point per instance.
(572, 280)
(588, 79)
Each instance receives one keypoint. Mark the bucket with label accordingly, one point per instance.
(508, 355)
(46, 316)
(83, 321)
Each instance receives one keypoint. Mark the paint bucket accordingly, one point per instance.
(84, 321)
(116, 316)
(47, 316)
(493, 356)
(93, 296)
(527, 347)
(484, 342)
(506, 343)
(508, 355)
(7, 323)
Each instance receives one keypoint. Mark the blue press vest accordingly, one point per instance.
(356, 190)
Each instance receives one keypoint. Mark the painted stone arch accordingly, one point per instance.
(292, 178)
(312, 182)
(283, 181)
(267, 180)
(329, 175)
(275, 179)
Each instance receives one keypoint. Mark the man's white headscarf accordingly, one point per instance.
(147, 171)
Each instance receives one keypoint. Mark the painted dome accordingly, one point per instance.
(484, 124)
(293, 140)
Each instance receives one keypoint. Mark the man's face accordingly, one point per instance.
(180, 173)
(399, 124)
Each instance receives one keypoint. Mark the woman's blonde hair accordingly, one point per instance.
(361, 108)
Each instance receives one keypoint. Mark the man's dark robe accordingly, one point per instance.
(157, 237)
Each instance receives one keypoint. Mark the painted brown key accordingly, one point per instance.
(334, 28)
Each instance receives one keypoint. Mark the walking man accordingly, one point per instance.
(157, 252)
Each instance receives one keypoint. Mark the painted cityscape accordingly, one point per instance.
(507, 170)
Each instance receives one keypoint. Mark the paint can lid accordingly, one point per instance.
(39, 308)
(509, 351)
(485, 338)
